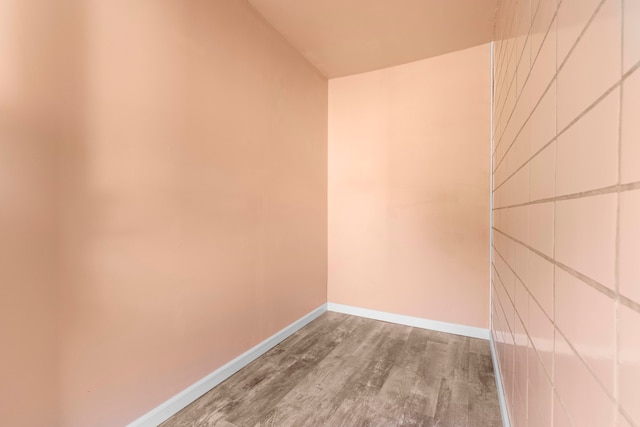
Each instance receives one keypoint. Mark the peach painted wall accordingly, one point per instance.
(38, 103)
(566, 244)
(409, 188)
(172, 218)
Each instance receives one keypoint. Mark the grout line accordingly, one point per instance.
(573, 122)
(506, 51)
(515, 74)
(535, 59)
(525, 286)
(564, 407)
(569, 125)
(586, 279)
(560, 67)
(510, 85)
(565, 129)
(526, 163)
(557, 330)
(507, 81)
(525, 122)
(584, 362)
(504, 314)
(531, 64)
(589, 193)
(516, 313)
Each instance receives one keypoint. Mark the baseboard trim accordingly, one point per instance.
(506, 422)
(417, 322)
(172, 406)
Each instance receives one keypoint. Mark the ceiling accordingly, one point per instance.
(343, 37)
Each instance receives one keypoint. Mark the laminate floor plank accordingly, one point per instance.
(343, 370)
(318, 395)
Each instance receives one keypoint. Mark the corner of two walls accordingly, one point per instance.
(181, 201)
(409, 180)
(566, 151)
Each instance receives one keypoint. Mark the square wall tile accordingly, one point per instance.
(540, 282)
(593, 66)
(573, 16)
(631, 33)
(541, 331)
(543, 121)
(521, 266)
(586, 318)
(541, 218)
(519, 223)
(540, 393)
(511, 253)
(520, 114)
(496, 218)
(516, 189)
(585, 400)
(543, 69)
(630, 159)
(522, 303)
(629, 359)
(543, 174)
(497, 198)
(519, 153)
(586, 236)
(505, 276)
(520, 409)
(543, 14)
(629, 245)
(520, 355)
(524, 67)
(500, 175)
(560, 416)
(588, 150)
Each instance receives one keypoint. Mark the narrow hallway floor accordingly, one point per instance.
(343, 370)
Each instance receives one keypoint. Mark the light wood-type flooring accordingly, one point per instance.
(344, 370)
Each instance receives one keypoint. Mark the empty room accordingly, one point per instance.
(242, 213)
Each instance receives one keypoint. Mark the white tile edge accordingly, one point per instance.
(506, 422)
(172, 406)
(417, 322)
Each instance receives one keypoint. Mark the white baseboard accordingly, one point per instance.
(506, 422)
(417, 322)
(181, 400)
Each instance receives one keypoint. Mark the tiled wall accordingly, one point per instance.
(566, 211)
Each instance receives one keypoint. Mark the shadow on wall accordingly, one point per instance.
(42, 107)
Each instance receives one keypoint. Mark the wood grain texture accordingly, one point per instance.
(343, 370)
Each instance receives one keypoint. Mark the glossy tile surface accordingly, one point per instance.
(598, 50)
(629, 331)
(629, 255)
(579, 262)
(586, 236)
(588, 150)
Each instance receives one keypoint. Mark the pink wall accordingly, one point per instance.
(566, 244)
(169, 209)
(409, 188)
